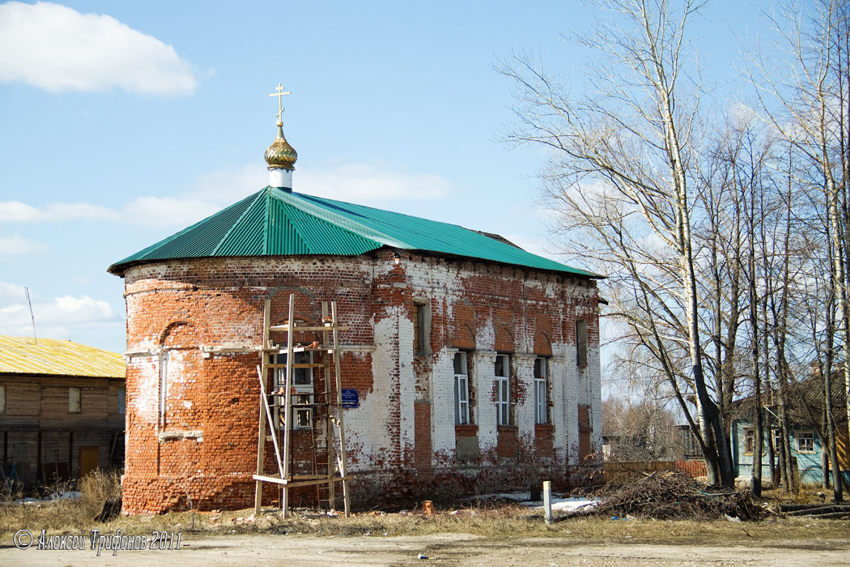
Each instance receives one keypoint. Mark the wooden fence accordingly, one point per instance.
(620, 472)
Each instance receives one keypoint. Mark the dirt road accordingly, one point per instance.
(441, 549)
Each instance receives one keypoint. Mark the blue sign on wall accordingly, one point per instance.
(350, 399)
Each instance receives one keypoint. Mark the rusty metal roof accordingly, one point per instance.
(21, 355)
(276, 222)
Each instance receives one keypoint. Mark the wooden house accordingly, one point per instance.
(62, 407)
(806, 429)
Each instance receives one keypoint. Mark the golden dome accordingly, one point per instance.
(280, 154)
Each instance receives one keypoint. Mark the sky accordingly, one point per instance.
(124, 122)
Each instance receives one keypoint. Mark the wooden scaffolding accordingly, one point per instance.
(284, 407)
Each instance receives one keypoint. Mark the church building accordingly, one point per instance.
(469, 365)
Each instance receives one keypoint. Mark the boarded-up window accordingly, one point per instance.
(749, 440)
(584, 431)
(163, 385)
(122, 400)
(421, 327)
(73, 400)
(581, 342)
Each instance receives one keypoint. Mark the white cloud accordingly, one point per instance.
(740, 113)
(57, 48)
(16, 211)
(370, 183)
(226, 186)
(10, 293)
(213, 191)
(17, 245)
(83, 309)
(53, 317)
(167, 211)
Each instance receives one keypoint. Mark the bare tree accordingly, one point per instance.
(813, 115)
(639, 424)
(743, 154)
(624, 162)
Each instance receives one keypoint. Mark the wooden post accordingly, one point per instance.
(288, 404)
(340, 424)
(261, 436)
(547, 500)
(329, 426)
(335, 419)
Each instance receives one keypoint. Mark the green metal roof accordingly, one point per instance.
(275, 222)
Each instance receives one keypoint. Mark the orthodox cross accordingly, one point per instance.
(279, 93)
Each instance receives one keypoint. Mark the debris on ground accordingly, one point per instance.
(672, 495)
(816, 510)
(111, 509)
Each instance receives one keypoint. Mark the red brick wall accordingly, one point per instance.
(423, 452)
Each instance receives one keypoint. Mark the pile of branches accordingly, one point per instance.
(674, 496)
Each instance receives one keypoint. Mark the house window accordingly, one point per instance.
(690, 446)
(2, 399)
(302, 387)
(73, 400)
(421, 327)
(461, 384)
(503, 392)
(805, 442)
(777, 439)
(541, 406)
(581, 342)
(749, 440)
(122, 400)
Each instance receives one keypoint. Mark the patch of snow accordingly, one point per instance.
(567, 504)
(65, 495)
(560, 504)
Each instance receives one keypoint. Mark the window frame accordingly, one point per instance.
(809, 435)
(463, 414)
(121, 401)
(690, 445)
(75, 399)
(541, 391)
(301, 403)
(581, 343)
(749, 434)
(776, 436)
(421, 327)
(2, 399)
(502, 384)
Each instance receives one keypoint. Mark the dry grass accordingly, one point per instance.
(62, 515)
(497, 523)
